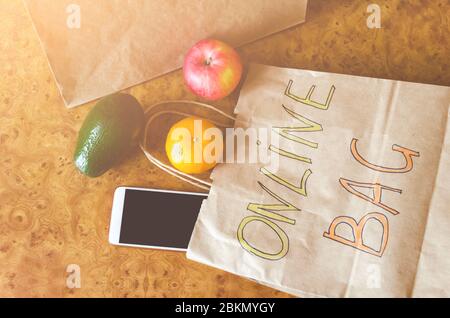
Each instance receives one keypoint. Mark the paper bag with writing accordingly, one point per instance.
(359, 205)
(98, 47)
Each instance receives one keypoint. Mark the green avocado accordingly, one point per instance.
(110, 131)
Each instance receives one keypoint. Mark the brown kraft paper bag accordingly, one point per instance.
(96, 48)
(359, 206)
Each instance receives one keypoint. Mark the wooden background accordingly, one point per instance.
(51, 216)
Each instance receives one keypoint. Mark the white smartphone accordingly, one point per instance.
(149, 218)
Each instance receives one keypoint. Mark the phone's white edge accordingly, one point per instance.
(165, 191)
(116, 217)
(175, 249)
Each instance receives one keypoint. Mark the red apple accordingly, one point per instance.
(212, 69)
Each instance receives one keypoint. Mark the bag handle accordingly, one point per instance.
(202, 184)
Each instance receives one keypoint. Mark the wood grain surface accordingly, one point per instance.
(52, 216)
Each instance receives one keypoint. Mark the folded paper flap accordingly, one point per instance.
(358, 165)
(97, 48)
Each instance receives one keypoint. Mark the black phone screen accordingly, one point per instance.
(159, 219)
